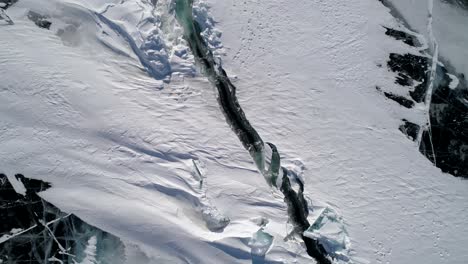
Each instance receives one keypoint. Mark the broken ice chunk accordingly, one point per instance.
(215, 221)
(5, 17)
(260, 243)
(454, 82)
(40, 20)
(329, 230)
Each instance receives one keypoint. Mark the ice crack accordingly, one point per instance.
(265, 156)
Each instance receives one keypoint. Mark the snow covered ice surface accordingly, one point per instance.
(103, 100)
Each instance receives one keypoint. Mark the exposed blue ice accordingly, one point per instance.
(260, 242)
(328, 228)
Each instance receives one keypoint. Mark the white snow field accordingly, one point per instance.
(108, 107)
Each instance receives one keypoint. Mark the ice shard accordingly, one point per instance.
(329, 229)
(260, 242)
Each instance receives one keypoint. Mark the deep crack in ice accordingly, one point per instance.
(235, 116)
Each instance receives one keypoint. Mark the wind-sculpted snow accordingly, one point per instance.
(150, 36)
(156, 65)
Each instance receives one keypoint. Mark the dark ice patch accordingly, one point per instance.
(459, 3)
(40, 20)
(409, 129)
(33, 230)
(403, 36)
(4, 18)
(5, 4)
(445, 142)
(449, 126)
(403, 101)
(410, 68)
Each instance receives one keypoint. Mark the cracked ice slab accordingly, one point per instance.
(329, 229)
(260, 242)
(34, 230)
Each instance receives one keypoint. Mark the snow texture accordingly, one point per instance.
(108, 107)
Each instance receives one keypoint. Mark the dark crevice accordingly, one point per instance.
(298, 212)
(297, 208)
(295, 201)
